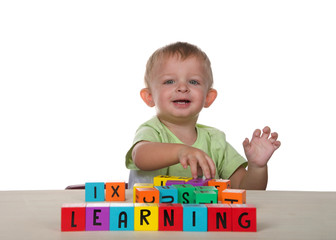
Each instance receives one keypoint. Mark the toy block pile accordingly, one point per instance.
(168, 204)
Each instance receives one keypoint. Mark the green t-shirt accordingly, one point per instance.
(209, 139)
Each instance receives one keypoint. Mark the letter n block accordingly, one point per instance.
(168, 194)
(147, 195)
(170, 217)
(205, 197)
(219, 217)
(115, 191)
(146, 217)
(195, 217)
(220, 184)
(140, 185)
(244, 218)
(122, 217)
(97, 216)
(95, 192)
(234, 196)
(186, 193)
(73, 217)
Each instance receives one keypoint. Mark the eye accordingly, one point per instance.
(169, 81)
(194, 82)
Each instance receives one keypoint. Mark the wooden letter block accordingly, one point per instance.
(95, 192)
(195, 217)
(73, 217)
(244, 218)
(122, 217)
(168, 194)
(186, 193)
(198, 182)
(206, 188)
(220, 184)
(161, 180)
(97, 216)
(170, 217)
(205, 197)
(175, 182)
(219, 217)
(115, 191)
(140, 185)
(234, 196)
(147, 195)
(146, 217)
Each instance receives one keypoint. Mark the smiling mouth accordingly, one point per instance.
(182, 101)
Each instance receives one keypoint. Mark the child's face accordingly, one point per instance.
(179, 88)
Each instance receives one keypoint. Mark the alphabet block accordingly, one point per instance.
(170, 217)
(162, 179)
(234, 196)
(206, 188)
(94, 192)
(73, 217)
(198, 182)
(97, 216)
(205, 197)
(168, 194)
(219, 217)
(220, 184)
(115, 191)
(147, 195)
(195, 217)
(244, 218)
(140, 185)
(122, 217)
(175, 182)
(146, 217)
(185, 193)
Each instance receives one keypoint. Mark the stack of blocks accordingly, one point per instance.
(183, 204)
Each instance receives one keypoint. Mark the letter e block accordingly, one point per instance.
(146, 217)
(170, 217)
(122, 217)
(95, 192)
(195, 217)
(73, 217)
(234, 196)
(220, 184)
(97, 216)
(168, 194)
(244, 218)
(219, 217)
(147, 195)
(140, 185)
(115, 191)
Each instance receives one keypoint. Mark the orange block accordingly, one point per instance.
(115, 191)
(147, 195)
(140, 185)
(234, 196)
(220, 184)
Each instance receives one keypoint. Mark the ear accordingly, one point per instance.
(147, 97)
(210, 98)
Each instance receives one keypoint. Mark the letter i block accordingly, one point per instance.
(115, 191)
(234, 196)
(195, 217)
(97, 216)
(168, 194)
(140, 185)
(95, 192)
(219, 217)
(220, 184)
(170, 217)
(147, 195)
(73, 217)
(146, 217)
(186, 193)
(244, 218)
(122, 217)
(205, 197)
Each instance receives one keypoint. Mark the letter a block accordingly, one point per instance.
(140, 185)
(95, 192)
(220, 184)
(146, 216)
(206, 197)
(234, 196)
(122, 217)
(168, 194)
(244, 218)
(185, 193)
(73, 217)
(115, 191)
(147, 195)
(170, 217)
(97, 216)
(195, 217)
(219, 217)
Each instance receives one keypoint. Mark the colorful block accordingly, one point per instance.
(122, 217)
(168, 194)
(205, 197)
(175, 182)
(195, 217)
(146, 217)
(185, 193)
(234, 196)
(170, 217)
(140, 185)
(220, 184)
(115, 191)
(94, 192)
(97, 217)
(147, 195)
(244, 218)
(162, 179)
(198, 182)
(206, 188)
(73, 217)
(219, 217)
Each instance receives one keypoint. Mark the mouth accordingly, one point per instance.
(181, 101)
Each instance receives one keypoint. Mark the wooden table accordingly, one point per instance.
(280, 214)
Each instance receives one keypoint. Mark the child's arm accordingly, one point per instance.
(258, 152)
(149, 156)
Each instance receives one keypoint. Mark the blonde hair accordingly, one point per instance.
(182, 50)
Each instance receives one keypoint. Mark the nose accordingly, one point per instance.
(182, 88)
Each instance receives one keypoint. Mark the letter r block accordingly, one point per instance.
(147, 195)
(73, 217)
(115, 191)
(146, 217)
(219, 217)
(244, 218)
(95, 192)
(170, 217)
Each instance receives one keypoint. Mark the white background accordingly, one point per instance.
(71, 72)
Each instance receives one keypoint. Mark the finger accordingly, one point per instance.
(212, 167)
(266, 132)
(193, 168)
(274, 137)
(276, 144)
(246, 143)
(184, 162)
(256, 134)
(203, 163)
